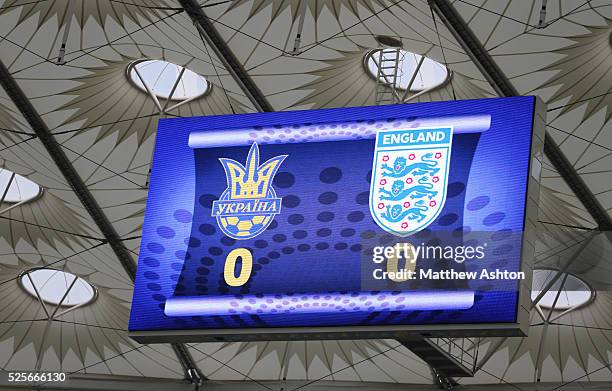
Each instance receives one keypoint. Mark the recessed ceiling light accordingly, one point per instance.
(21, 189)
(161, 76)
(53, 284)
(574, 293)
(431, 74)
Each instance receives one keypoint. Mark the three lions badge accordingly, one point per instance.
(248, 205)
(409, 178)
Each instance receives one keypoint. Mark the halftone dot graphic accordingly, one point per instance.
(273, 225)
(448, 219)
(208, 261)
(279, 238)
(207, 229)
(159, 297)
(183, 216)
(454, 189)
(192, 242)
(300, 234)
(228, 241)
(206, 200)
(165, 232)
(363, 198)
(288, 250)
(324, 232)
(341, 246)
(322, 246)
(327, 198)
(151, 275)
(347, 232)
(330, 175)
(494, 218)
(356, 248)
(154, 287)
(155, 247)
(176, 266)
(458, 232)
(291, 201)
(303, 247)
(182, 255)
(355, 216)
(274, 254)
(325, 217)
(203, 270)
(263, 260)
(151, 262)
(295, 219)
(215, 251)
(283, 180)
(478, 203)
(261, 243)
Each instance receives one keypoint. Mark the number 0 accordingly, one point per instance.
(230, 266)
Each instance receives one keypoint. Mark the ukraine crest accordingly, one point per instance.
(409, 178)
(248, 205)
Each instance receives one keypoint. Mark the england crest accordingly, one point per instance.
(409, 178)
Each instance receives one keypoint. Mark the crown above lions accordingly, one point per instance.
(250, 180)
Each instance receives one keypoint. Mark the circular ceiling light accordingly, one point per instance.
(431, 74)
(53, 284)
(574, 292)
(21, 189)
(161, 76)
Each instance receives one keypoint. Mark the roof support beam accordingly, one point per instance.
(498, 80)
(65, 166)
(225, 54)
(77, 184)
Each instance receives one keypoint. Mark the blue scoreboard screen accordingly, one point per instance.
(340, 222)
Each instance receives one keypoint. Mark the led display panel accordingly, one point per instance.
(341, 223)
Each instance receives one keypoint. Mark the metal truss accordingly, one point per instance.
(231, 63)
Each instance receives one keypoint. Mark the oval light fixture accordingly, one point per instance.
(52, 285)
(161, 77)
(431, 74)
(574, 292)
(20, 189)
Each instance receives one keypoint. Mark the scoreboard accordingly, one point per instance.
(341, 223)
